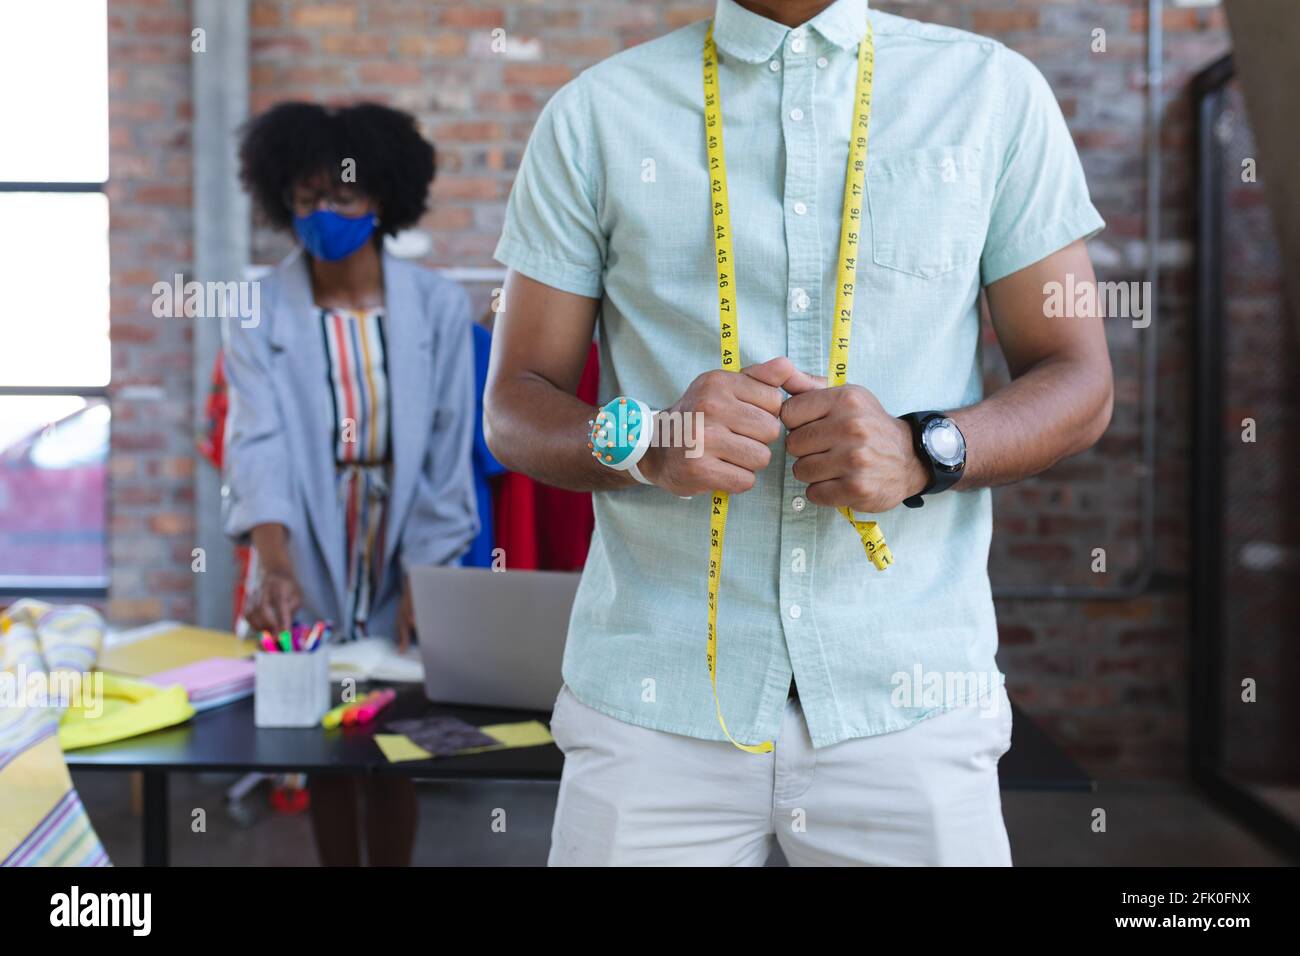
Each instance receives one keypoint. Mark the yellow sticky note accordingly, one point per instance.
(399, 747)
(527, 733)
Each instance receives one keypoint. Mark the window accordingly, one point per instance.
(54, 350)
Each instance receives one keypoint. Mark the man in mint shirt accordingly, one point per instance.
(877, 689)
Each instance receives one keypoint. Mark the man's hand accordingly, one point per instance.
(850, 451)
(739, 413)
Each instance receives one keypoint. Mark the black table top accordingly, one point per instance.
(224, 739)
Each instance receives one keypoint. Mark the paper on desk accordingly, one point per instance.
(441, 735)
(375, 658)
(398, 747)
(526, 733)
(167, 645)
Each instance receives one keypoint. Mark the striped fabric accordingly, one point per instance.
(42, 820)
(354, 342)
(355, 346)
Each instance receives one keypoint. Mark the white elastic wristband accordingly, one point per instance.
(643, 439)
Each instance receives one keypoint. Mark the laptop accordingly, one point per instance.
(492, 638)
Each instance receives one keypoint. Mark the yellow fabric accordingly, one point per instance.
(121, 708)
(46, 652)
(54, 701)
(33, 782)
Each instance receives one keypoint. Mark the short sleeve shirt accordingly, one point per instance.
(972, 175)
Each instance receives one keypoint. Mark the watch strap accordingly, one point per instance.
(940, 479)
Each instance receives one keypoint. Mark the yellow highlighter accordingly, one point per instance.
(335, 717)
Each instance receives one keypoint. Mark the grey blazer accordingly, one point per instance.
(279, 438)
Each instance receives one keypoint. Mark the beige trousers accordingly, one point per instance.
(924, 796)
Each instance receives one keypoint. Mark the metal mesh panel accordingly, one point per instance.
(1261, 504)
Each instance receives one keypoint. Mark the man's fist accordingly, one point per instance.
(850, 451)
(739, 417)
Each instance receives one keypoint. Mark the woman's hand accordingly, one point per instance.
(278, 594)
(271, 607)
(405, 618)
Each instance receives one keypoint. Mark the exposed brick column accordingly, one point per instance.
(151, 487)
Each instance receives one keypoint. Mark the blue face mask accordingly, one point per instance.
(330, 236)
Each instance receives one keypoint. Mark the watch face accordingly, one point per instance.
(943, 440)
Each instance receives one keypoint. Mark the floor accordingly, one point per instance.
(508, 824)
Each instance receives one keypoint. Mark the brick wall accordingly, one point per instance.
(1107, 677)
(151, 486)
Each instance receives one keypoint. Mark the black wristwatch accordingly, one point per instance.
(942, 449)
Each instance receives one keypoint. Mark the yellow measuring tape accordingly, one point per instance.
(873, 541)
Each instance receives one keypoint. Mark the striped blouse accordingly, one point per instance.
(358, 383)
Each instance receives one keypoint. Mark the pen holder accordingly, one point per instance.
(291, 690)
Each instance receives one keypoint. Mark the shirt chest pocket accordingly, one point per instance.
(926, 211)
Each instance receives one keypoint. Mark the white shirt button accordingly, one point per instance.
(822, 63)
(800, 209)
(774, 65)
(795, 611)
(796, 114)
(798, 503)
(797, 45)
(799, 300)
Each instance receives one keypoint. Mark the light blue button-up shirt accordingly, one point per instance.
(971, 176)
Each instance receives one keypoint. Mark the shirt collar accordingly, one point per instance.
(752, 38)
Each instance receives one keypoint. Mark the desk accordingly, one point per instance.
(225, 740)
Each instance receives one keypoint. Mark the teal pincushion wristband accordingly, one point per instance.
(620, 434)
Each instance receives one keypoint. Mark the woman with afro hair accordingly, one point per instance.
(350, 424)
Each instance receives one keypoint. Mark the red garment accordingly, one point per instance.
(212, 447)
(212, 443)
(541, 528)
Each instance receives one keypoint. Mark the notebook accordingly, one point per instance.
(375, 658)
(167, 645)
(210, 683)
